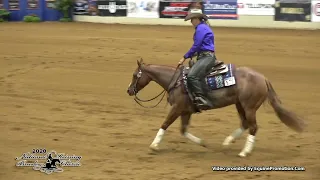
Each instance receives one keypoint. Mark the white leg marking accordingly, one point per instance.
(155, 144)
(192, 138)
(228, 140)
(248, 146)
(236, 134)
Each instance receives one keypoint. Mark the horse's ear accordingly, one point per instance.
(141, 60)
(138, 62)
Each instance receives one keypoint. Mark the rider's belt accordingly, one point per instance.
(206, 53)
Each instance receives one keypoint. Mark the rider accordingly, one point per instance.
(204, 47)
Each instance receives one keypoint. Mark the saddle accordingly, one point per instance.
(218, 76)
(218, 68)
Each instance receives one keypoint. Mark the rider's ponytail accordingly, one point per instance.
(205, 21)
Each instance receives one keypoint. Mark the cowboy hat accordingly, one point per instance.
(195, 13)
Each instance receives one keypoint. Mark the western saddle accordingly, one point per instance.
(218, 68)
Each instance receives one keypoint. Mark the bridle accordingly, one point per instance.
(137, 99)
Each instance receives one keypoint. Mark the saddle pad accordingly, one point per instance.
(221, 80)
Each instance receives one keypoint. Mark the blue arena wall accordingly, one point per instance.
(41, 8)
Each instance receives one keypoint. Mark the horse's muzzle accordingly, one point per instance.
(131, 92)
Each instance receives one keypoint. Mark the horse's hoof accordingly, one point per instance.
(228, 141)
(203, 144)
(154, 147)
(243, 154)
(225, 143)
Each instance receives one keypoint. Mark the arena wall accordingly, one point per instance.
(243, 21)
(42, 8)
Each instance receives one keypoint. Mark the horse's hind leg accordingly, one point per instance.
(185, 120)
(238, 132)
(253, 128)
(250, 106)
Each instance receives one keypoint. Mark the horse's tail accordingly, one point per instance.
(287, 117)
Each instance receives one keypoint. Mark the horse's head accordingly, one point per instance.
(139, 80)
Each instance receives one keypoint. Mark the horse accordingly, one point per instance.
(52, 164)
(225, 84)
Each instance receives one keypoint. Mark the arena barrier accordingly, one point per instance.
(284, 14)
(20, 8)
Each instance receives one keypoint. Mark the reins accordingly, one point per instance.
(136, 99)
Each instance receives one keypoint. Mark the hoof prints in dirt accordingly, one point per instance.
(56, 109)
(100, 108)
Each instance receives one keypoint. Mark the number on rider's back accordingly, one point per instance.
(229, 81)
(39, 150)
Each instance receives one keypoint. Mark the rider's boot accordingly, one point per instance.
(201, 101)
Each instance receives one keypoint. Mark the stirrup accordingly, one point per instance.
(202, 102)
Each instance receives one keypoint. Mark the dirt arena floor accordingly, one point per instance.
(63, 87)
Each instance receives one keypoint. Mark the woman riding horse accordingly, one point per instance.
(248, 94)
(204, 47)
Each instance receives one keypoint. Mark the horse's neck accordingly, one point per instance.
(162, 75)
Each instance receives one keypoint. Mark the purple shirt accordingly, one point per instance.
(203, 40)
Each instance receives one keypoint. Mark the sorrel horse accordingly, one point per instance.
(226, 85)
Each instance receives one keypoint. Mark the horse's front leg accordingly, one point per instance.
(174, 113)
(185, 120)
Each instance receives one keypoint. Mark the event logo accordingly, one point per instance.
(251, 5)
(317, 9)
(173, 9)
(80, 7)
(47, 162)
(80, 2)
(176, 9)
(219, 6)
(132, 7)
(112, 7)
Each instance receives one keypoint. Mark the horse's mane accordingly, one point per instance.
(161, 65)
(166, 66)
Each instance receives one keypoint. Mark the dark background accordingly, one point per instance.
(293, 17)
